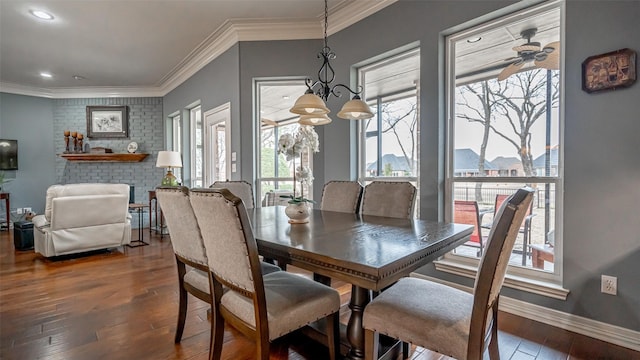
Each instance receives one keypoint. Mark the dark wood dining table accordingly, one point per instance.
(368, 252)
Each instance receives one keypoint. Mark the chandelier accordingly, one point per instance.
(311, 106)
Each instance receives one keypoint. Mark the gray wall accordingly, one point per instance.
(38, 124)
(145, 128)
(29, 120)
(214, 85)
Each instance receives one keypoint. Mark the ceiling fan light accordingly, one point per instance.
(355, 109)
(309, 104)
(314, 120)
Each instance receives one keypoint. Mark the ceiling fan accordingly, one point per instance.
(547, 57)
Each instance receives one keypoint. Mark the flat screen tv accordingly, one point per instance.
(8, 154)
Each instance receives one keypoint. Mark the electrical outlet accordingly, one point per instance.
(27, 210)
(19, 211)
(609, 285)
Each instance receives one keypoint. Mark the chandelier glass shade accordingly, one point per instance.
(314, 120)
(313, 101)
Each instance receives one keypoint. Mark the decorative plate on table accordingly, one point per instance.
(132, 147)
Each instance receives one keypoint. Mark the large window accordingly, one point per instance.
(389, 145)
(274, 98)
(504, 132)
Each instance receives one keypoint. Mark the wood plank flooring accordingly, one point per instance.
(123, 303)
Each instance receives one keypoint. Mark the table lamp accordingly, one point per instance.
(169, 160)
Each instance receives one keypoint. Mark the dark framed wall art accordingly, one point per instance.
(609, 71)
(107, 122)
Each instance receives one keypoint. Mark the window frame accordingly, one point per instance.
(258, 179)
(523, 278)
(194, 148)
(411, 92)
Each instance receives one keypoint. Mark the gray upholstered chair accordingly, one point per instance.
(341, 196)
(444, 319)
(263, 307)
(239, 188)
(389, 198)
(188, 247)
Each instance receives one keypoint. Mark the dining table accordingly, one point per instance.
(368, 252)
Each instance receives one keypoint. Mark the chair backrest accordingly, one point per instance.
(231, 249)
(84, 189)
(500, 198)
(239, 188)
(186, 238)
(389, 198)
(466, 212)
(493, 265)
(341, 196)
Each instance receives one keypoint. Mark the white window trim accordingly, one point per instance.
(525, 279)
(257, 132)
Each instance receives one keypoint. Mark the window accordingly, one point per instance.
(176, 134)
(274, 98)
(195, 116)
(389, 145)
(504, 134)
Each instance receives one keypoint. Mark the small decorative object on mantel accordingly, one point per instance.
(67, 133)
(294, 146)
(80, 148)
(132, 147)
(100, 150)
(609, 71)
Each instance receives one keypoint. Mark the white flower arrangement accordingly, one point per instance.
(292, 146)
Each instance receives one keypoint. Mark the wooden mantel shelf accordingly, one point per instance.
(108, 157)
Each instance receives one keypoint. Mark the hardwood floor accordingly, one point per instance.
(122, 304)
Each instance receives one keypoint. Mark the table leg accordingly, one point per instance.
(355, 332)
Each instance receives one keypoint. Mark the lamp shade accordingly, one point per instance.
(309, 104)
(169, 159)
(355, 109)
(314, 120)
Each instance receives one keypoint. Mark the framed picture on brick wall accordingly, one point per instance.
(107, 122)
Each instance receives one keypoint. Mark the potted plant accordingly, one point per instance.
(293, 146)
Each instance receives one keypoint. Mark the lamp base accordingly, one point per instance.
(169, 179)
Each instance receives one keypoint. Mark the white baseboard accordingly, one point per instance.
(602, 331)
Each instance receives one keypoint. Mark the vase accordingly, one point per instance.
(297, 213)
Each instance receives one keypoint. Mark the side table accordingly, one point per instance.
(7, 205)
(153, 204)
(138, 208)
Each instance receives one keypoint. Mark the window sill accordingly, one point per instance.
(511, 281)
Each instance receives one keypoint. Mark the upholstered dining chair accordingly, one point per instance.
(191, 259)
(389, 198)
(264, 307)
(239, 188)
(449, 321)
(341, 196)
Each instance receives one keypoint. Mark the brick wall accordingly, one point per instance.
(145, 128)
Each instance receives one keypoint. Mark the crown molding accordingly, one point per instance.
(80, 92)
(348, 13)
(222, 39)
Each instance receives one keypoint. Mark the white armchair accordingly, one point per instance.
(83, 217)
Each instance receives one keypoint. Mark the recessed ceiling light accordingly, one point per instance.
(474, 40)
(78, 77)
(41, 14)
(286, 97)
(45, 75)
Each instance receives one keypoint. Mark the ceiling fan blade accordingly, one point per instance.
(509, 70)
(552, 62)
(527, 47)
(552, 47)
